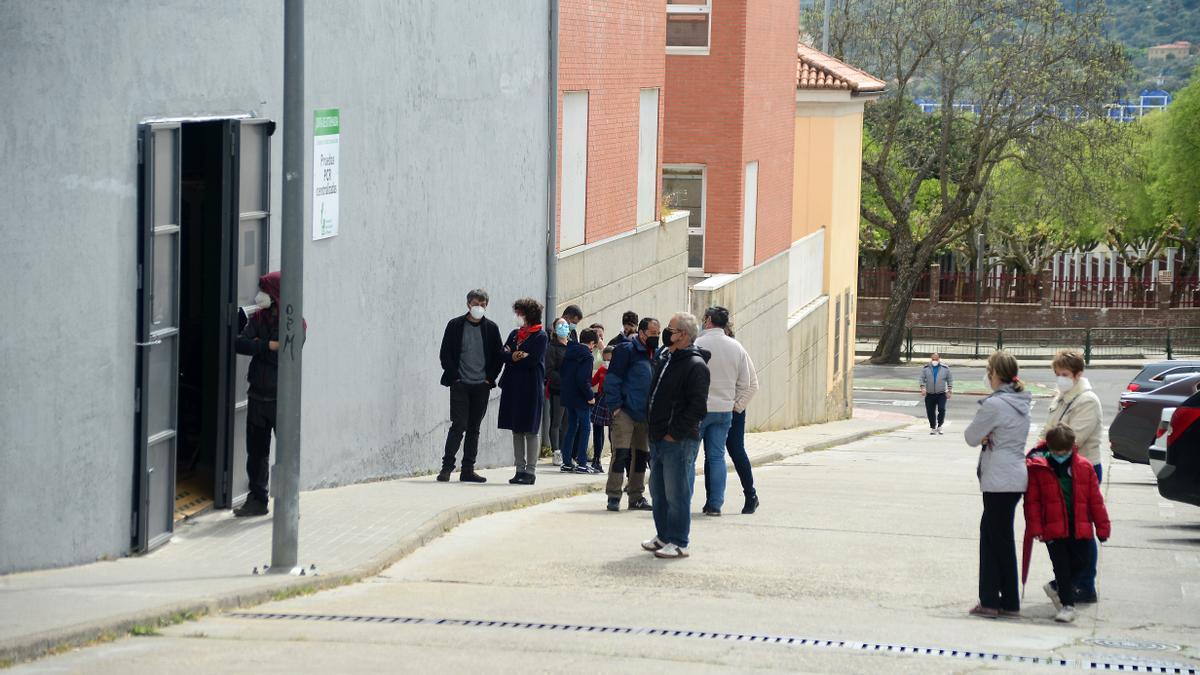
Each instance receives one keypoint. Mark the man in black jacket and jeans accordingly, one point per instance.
(678, 404)
(471, 363)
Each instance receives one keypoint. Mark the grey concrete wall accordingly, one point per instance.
(790, 353)
(442, 189)
(644, 271)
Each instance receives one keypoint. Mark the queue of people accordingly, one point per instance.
(655, 394)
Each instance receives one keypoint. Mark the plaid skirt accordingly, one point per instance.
(601, 415)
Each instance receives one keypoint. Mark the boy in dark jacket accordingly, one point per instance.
(577, 399)
(1063, 505)
(259, 340)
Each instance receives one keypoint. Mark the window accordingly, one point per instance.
(647, 175)
(750, 215)
(688, 26)
(573, 192)
(683, 188)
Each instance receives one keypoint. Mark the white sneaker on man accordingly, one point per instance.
(671, 551)
(1065, 615)
(939, 431)
(557, 460)
(1053, 593)
(653, 545)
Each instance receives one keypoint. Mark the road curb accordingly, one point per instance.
(113, 628)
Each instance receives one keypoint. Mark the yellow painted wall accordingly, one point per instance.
(827, 193)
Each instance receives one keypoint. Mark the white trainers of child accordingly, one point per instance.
(671, 551)
(654, 544)
(1065, 615)
(1053, 594)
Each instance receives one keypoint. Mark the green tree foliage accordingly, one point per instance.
(1174, 192)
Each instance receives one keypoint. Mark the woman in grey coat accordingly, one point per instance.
(1000, 429)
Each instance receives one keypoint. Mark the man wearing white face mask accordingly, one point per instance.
(1078, 407)
(471, 362)
(936, 385)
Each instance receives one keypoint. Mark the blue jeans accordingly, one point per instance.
(714, 430)
(575, 437)
(1086, 581)
(672, 472)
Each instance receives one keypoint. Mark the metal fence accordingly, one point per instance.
(1097, 343)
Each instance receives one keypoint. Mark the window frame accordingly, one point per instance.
(705, 9)
(694, 231)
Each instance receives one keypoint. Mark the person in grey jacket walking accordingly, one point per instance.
(937, 383)
(1000, 429)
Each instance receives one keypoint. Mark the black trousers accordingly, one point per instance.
(468, 406)
(935, 408)
(1069, 558)
(998, 552)
(260, 422)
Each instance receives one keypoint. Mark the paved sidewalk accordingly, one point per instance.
(349, 533)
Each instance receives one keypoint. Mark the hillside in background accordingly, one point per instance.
(1140, 24)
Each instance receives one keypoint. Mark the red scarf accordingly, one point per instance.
(526, 331)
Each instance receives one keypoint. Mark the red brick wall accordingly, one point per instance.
(770, 120)
(613, 49)
(733, 106)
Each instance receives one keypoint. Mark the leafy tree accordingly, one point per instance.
(1175, 192)
(1026, 63)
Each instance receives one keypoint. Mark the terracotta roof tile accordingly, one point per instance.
(818, 70)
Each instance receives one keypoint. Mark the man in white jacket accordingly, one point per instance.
(732, 383)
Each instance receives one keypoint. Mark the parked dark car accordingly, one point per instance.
(1154, 375)
(1132, 430)
(1179, 477)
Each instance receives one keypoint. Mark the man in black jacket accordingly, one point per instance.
(471, 363)
(678, 404)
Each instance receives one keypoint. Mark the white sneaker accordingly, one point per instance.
(671, 551)
(1053, 593)
(932, 432)
(557, 461)
(1065, 615)
(654, 544)
(939, 431)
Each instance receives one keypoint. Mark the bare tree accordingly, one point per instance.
(1026, 67)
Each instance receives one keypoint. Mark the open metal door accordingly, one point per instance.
(249, 227)
(157, 377)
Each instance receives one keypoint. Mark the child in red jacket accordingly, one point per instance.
(1062, 506)
(601, 415)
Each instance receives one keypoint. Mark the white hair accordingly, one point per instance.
(687, 324)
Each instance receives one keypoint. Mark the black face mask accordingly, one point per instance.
(668, 337)
(652, 343)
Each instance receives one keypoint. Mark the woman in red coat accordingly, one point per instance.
(1063, 507)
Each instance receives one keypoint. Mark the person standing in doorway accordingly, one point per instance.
(522, 387)
(678, 405)
(471, 363)
(629, 328)
(627, 393)
(937, 384)
(1077, 406)
(259, 340)
(560, 337)
(1000, 430)
(732, 385)
(577, 400)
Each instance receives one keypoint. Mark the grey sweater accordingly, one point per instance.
(1002, 427)
(942, 383)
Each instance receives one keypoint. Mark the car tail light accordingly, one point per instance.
(1163, 427)
(1133, 386)
(1180, 421)
(1126, 404)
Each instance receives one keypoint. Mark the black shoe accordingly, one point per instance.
(597, 467)
(528, 479)
(751, 505)
(712, 512)
(518, 479)
(641, 505)
(614, 503)
(567, 468)
(444, 475)
(469, 476)
(582, 468)
(251, 507)
(1084, 598)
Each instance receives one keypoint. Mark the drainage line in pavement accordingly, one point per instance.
(868, 647)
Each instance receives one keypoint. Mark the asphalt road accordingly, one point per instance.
(1108, 384)
(862, 559)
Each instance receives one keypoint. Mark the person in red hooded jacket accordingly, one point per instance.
(1063, 507)
(259, 339)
